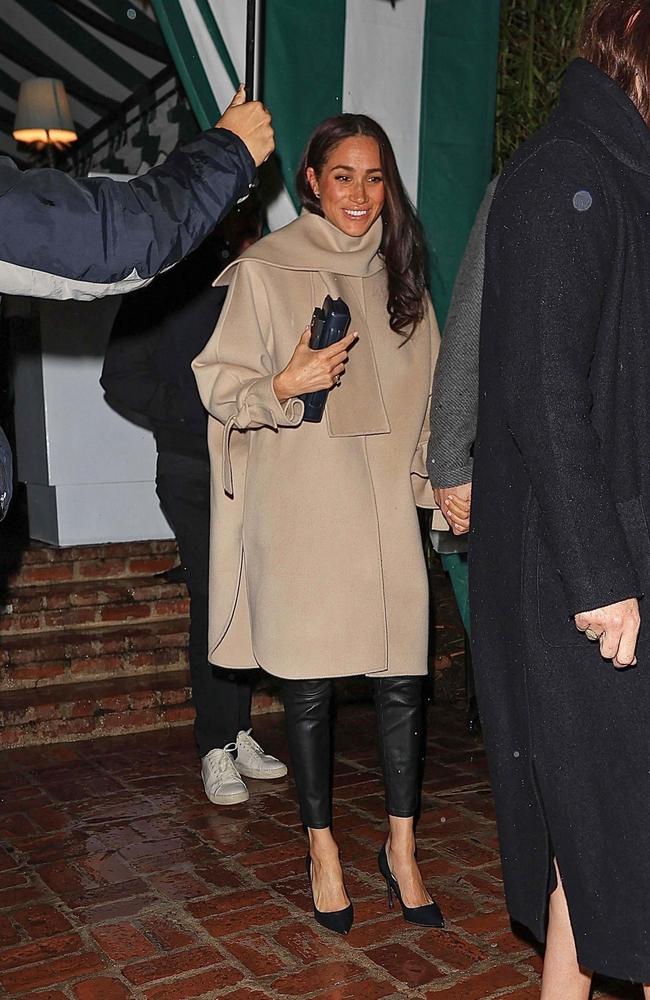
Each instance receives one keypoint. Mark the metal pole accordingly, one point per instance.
(51, 161)
(251, 32)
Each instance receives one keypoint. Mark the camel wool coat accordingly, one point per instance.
(317, 567)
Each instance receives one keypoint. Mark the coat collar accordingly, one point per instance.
(604, 108)
(311, 243)
(334, 262)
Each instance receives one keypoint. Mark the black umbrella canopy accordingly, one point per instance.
(102, 50)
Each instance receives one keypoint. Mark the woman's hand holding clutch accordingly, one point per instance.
(309, 371)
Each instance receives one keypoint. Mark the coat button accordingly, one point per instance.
(582, 201)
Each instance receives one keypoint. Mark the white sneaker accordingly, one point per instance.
(252, 762)
(221, 779)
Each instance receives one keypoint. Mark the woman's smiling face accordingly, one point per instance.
(350, 186)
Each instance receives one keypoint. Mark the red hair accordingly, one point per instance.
(616, 39)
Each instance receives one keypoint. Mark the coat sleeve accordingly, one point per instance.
(454, 397)
(65, 238)
(422, 489)
(235, 371)
(549, 251)
(129, 377)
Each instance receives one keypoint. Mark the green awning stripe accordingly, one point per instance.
(303, 82)
(456, 133)
(217, 38)
(458, 103)
(188, 64)
(87, 44)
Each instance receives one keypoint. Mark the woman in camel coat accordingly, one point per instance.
(318, 570)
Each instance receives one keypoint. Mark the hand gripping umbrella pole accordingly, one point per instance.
(251, 63)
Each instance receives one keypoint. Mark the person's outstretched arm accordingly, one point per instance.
(66, 238)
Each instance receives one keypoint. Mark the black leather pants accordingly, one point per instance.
(399, 703)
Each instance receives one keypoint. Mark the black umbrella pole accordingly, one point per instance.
(251, 36)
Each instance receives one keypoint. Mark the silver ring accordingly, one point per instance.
(591, 635)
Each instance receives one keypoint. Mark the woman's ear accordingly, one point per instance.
(313, 181)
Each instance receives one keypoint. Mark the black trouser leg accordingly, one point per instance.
(307, 714)
(399, 702)
(221, 698)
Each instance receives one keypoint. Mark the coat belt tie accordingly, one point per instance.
(226, 461)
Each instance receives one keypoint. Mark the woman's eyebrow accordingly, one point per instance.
(343, 166)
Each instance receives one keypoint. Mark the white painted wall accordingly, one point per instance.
(89, 471)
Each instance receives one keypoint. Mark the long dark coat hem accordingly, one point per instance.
(560, 514)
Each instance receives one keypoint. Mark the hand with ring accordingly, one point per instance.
(311, 371)
(616, 628)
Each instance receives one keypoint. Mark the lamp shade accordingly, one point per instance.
(43, 113)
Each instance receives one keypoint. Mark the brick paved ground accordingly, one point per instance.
(118, 879)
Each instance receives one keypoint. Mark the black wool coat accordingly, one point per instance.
(560, 519)
(157, 333)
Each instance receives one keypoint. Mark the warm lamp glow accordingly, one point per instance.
(43, 114)
(40, 135)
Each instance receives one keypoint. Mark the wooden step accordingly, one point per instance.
(91, 605)
(42, 659)
(41, 564)
(68, 712)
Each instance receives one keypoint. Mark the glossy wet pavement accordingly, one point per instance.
(119, 879)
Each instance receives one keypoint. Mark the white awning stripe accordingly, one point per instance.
(207, 53)
(383, 74)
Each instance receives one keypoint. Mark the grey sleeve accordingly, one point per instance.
(454, 401)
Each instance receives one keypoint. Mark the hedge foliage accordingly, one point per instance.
(538, 39)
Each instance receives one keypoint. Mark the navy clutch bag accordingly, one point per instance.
(329, 324)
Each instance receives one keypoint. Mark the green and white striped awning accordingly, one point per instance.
(425, 69)
(103, 50)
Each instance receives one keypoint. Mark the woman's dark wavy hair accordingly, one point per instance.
(403, 245)
(616, 38)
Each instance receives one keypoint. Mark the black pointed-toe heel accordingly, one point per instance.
(339, 921)
(428, 915)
